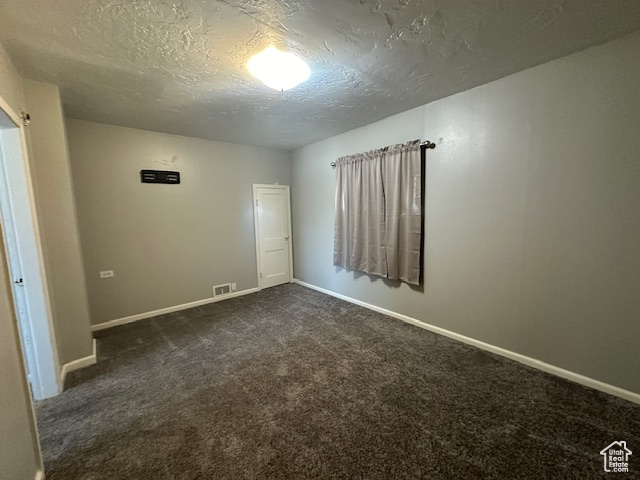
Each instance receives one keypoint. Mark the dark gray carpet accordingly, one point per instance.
(291, 383)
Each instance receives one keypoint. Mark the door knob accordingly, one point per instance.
(286, 237)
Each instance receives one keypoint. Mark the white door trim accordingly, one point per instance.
(45, 380)
(287, 189)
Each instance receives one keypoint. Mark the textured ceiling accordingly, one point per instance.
(179, 66)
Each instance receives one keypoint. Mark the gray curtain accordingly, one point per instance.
(378, 227)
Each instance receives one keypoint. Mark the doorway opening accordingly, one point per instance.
(25, 260)
(272, 215)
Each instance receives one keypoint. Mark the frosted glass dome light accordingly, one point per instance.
(278, 70)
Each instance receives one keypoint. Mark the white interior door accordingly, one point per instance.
(26, 264)
(273, 232)
(15, 270)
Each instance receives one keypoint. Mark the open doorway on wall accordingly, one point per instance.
(24, 256)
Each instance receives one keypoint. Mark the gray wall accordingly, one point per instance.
(11, 87)
(167, 244)
(19, 454)
(532, 213)
(51, 175)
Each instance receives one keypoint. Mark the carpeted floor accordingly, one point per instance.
(291, 383)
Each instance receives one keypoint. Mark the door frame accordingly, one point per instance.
(44, 366)
(287, 189)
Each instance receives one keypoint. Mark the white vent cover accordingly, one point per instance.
(220, 290)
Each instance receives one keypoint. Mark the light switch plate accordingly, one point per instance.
(106, 274)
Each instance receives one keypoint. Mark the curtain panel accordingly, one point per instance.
(378, 225)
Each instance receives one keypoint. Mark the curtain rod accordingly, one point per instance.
(425, 144)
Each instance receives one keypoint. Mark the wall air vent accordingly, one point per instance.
(220, 290)
(159, 176)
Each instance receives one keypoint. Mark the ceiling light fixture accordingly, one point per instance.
(278, 70)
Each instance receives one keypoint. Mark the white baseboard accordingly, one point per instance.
(531, 362)
(39, 475)
(141, 316)
(77, 364)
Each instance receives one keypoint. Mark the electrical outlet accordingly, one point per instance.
(106, 274)
(233, 287)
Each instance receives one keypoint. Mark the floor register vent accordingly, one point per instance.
(220, 290)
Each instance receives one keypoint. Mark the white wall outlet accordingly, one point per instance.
(233, 287)
(106, 274)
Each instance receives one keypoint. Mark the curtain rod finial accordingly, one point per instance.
(428, 144)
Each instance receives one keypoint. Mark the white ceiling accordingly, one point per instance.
(179, 66)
